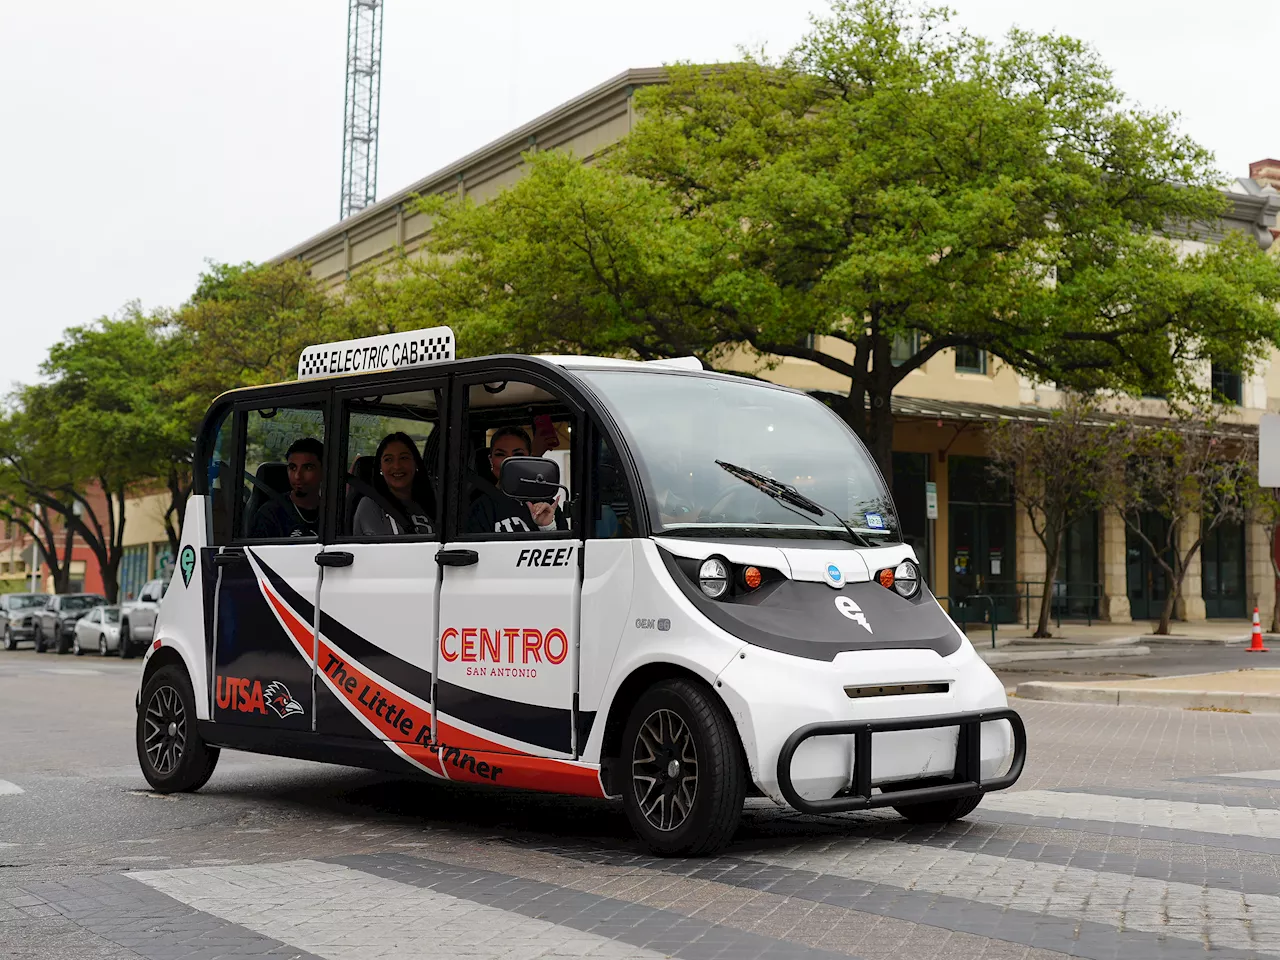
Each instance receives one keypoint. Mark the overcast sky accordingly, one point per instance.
(142, 137)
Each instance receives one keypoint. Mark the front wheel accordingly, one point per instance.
(939, 811)
(126, 644)
(171, 752)
(75, 646)
(686, 779)
(9, 642)
(102, 644)
(37, 638)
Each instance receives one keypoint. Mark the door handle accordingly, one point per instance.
(228, 558)
(457, 558)
(335, 558)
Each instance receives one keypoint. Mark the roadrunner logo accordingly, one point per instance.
(280, 700)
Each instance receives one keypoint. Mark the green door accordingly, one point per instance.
(1148, 585)
(1222, 583)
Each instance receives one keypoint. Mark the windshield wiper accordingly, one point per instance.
(787, 494)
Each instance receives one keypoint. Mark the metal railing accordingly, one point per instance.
(962, 604)
(1064, 593)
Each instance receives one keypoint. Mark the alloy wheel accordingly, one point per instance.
(664, 770)
(102, 644)
(166, 730)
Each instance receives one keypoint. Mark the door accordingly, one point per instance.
(378, 624)
(1148, 583)
(511, 585)
(266, 572)
(1077, 589)
(1223, 572)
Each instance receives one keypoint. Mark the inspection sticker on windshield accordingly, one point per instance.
(874, 521)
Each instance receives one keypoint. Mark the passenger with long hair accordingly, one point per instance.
(405, 503)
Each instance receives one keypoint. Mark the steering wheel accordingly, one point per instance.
(719, 512)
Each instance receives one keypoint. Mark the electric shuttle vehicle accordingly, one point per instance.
(612, 579)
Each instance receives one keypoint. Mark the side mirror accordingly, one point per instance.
(530, 478)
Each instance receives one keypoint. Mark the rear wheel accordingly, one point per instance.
(126, 645)
(939, 811)
(171, 752)
(686, 779)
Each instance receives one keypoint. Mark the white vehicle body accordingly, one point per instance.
(518, 661)
(138, 617)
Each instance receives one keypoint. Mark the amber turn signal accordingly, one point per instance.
(751, 577)
(886, 577)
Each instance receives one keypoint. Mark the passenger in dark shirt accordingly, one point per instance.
(495, 512)
(298, 514)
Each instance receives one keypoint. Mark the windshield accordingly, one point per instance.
(80, 603)
(699, 440)
(26, 603)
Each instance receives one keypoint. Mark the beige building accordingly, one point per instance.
(978, 542)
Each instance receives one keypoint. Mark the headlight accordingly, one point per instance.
(713, 577)
(906, 579)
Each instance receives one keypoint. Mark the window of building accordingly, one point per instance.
(905, 346)
(971, 360)
(1227, 385)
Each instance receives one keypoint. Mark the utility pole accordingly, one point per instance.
(360, 114)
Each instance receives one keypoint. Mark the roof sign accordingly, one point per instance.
(391, 351)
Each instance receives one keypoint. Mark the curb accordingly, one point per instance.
(1170, 699)
(995, 657)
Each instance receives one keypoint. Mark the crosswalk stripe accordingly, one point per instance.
(1170, 814)
(1204, 915)
(9, 789)
(344, 914)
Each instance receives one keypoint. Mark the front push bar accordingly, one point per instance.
(965, 782)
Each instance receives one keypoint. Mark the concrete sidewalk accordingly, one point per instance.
(1077, 640)
(1248, 690)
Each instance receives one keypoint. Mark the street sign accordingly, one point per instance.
(931, 499)
(1269, 450)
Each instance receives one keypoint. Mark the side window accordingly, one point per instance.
(283, 480)
(614, 505)
(392, 462)
(220, 508)
(514, 419)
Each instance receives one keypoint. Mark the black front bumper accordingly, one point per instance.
(966, 780)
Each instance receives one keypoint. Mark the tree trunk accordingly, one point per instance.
(1050, 575)
(1166, 613)
(62, 572)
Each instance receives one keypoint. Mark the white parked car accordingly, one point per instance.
(99, 629)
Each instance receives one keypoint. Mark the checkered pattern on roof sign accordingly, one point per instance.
(394, 351)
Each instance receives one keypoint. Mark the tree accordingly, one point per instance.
(1195, 477)
(1058, 471)
(1266, 513)
(245, 325)
(891, 189)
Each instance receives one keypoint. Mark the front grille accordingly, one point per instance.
(895, 690)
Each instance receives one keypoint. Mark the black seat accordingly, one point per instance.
(362, 469)
(271, 476)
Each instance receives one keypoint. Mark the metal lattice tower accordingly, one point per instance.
(360, 116)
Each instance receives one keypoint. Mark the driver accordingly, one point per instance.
(298, 514)
(494, 512)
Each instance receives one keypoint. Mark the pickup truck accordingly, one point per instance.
(55, 622)
(17, 617)
(138, 617)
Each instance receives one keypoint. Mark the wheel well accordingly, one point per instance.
(162, 658)
(624, 700)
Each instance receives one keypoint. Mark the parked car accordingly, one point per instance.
(17, 613)
(56, 621)
(99, 629)
(138, 617)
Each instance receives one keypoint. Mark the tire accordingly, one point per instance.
(37, 638)
(126, 648)
(675, 725)
(61, 644)
(102, 644)
(75, 645)
(173, 757)
(9, 642)
(939, 811)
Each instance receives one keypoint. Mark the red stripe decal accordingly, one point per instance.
(459, 755)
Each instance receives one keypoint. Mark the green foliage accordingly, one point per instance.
(892, 177)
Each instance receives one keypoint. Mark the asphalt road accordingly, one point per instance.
(1127, 836)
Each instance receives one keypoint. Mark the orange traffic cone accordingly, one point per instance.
(1256, 646)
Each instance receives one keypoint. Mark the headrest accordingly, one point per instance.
(275, 476)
